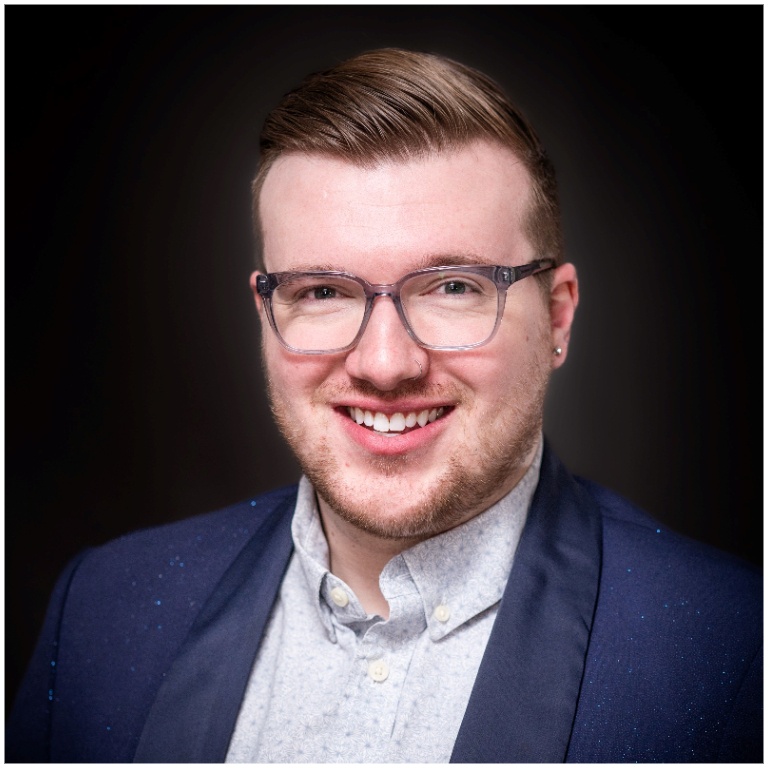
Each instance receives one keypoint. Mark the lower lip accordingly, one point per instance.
(392, 443)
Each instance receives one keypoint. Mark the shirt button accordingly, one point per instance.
(339, 596)
(442, 613)
(378, 670)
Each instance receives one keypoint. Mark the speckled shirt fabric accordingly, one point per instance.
(333, 684)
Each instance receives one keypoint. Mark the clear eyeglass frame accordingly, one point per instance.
(503, 277)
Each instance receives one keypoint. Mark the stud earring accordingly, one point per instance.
(558, 351)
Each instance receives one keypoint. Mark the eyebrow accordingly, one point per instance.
(314, 268)
(435, 260)
(450, 260)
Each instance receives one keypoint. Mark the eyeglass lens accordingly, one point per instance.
(451, 309)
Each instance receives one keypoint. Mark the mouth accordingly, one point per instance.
(397, 423)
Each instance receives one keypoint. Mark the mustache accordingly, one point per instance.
(406, 389)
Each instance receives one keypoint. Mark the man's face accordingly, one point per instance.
(463, 206)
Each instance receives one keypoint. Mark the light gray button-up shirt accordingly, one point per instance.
(333, 684)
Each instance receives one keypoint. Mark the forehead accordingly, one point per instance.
(322, 212)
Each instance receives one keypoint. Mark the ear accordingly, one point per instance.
(563, 300)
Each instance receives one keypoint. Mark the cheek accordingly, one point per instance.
(294, 379)
(508, 366)
(525, 332)
(484, 380)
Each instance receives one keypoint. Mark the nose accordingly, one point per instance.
(386, 355)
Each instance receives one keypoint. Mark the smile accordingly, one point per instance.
(397, 423)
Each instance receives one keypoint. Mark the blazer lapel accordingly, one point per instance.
(194, 713)
(524, 700)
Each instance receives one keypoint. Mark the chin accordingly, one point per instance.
(390, 507)
(384, 501)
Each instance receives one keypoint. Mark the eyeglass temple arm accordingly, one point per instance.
(526, 270)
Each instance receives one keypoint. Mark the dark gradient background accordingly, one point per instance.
(133, 384)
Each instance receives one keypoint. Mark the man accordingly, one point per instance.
(438, 587)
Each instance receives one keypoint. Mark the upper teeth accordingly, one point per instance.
(397, 422)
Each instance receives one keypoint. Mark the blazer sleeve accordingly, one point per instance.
(29, 724)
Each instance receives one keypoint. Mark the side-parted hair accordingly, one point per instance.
(391, 104)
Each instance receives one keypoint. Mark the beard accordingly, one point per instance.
(478, 471)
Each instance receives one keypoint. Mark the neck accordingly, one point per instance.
(358, 558)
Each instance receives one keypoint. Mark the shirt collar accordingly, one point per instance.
(458, 574)
(311, 550)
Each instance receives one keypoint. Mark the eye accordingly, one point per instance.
(455, 287)
(307, 291)
(440, 285)
(323, 292)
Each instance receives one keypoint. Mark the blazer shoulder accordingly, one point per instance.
(183, 558)
(631, 534)
(219, 534)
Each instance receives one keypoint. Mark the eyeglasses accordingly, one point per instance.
(448, 308)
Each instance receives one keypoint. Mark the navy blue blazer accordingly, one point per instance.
(616, 640)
